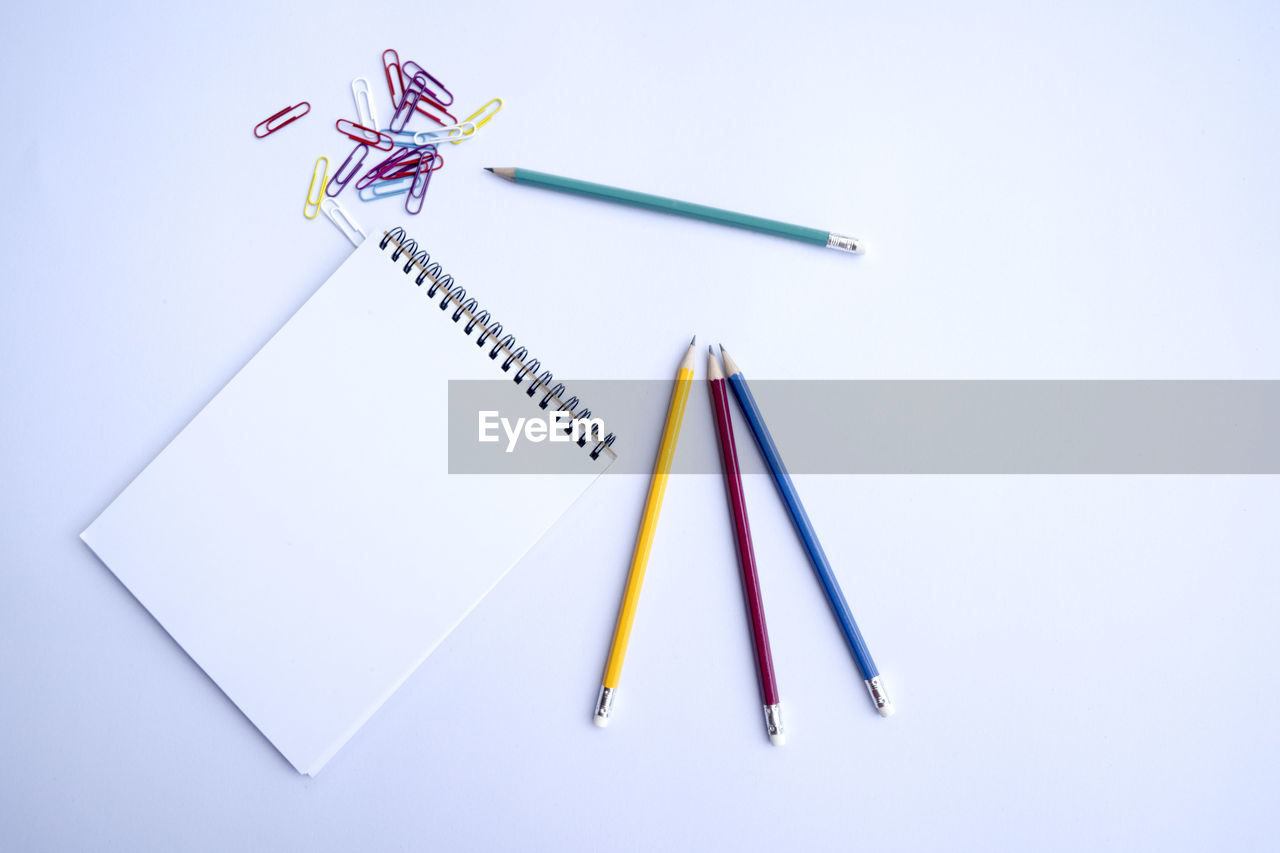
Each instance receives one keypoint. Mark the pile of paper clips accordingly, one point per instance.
(413, 156)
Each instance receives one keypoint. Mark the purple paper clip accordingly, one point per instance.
(339, 181)
(412, 92)
(429, 104)
(266, 127)
(418, 189)
(367, 135)
(413, 69)
(409, 168)
(389, 163)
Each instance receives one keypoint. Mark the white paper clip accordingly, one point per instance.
(339, 216)
(410, 139)
(386, 189)
(453, 133)
(364, 103)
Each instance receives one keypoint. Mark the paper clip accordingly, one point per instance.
(390, 162)
(402, 138)
(386, 189)
(426, 105)
(409, 167)
(471, 119)
(367, 135)
(339, 216)
(395, 77)
(429, 101)
(364, 103)
(413, 69)
(412, 93)
(339, 182)
(453, 133)
(405, 168)
(322, 173)
(412, 139)
(291, 114)
(418, 189)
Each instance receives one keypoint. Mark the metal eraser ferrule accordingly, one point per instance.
(879, 695)
(604, 705)
(841, 243)
(773, 720)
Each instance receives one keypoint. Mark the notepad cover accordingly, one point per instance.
(301, 538)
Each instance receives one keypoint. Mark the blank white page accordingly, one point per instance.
(301, 538)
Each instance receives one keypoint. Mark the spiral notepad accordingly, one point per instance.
(302, 538)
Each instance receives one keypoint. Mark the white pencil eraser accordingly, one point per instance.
(887, 710)
(602, 722)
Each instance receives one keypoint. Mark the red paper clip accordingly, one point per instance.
(429, 101)
(409, 168)
(389, 163)
(426, 106)
(367, 135)
(410, 164)
(395, 78)
(266, 127)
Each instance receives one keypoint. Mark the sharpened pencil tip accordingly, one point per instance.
(693, 340)
(730, 366)
(488, 168)
(709, 350)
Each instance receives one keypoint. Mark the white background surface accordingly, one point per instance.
(1081, 192)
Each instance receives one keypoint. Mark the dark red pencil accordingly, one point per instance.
(746, 554)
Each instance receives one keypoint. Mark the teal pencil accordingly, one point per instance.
(816, 236)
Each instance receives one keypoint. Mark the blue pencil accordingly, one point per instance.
(821, 565)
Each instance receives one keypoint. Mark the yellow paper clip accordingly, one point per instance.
(475, 118)
(321, 174)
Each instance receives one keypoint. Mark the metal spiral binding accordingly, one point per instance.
(503, 343)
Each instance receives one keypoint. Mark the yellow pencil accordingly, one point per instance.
(644, 542)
